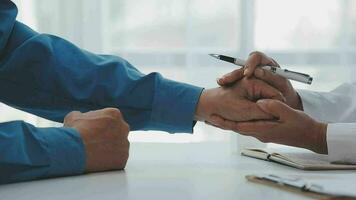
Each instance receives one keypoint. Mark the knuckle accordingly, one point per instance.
(237, 72)
(73, 113)
(71, 116)
(126, 128)
(119, 131)
(116, 113)
(108, 119)
(256, 53)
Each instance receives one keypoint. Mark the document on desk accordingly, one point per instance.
(304, 160)
(315, 186)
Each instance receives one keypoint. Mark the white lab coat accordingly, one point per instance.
(338, 109)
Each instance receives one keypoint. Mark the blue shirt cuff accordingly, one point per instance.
(174, 106)
(66, 151)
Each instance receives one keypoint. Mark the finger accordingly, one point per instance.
(125, 127)
(70, 116)
(231, 77)
(275, 80)
(258, 129)
(250, 111)
(266, 91)
(256, 59)
(74, 114)
(112, 111)
(276, 109)
(255, 127)
(221, 122)
(209, 123)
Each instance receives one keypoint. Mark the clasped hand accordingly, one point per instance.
(270, 109)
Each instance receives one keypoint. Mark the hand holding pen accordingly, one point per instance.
(287, 114)
(267, 64)
(252, 68)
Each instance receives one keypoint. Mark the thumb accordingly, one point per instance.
(276, 108)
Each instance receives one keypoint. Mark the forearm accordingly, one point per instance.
(54, 86)
(52, 77)
(29, 153)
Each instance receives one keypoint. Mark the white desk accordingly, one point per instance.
(166, 171)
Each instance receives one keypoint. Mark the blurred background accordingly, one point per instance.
(174, 38)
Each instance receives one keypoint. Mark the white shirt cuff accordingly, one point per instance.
(341, 141)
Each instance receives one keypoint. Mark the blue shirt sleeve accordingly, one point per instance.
(29, 153)
(49, 76)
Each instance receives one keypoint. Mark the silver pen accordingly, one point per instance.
(292, 75)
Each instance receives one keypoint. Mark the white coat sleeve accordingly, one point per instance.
(338, 109)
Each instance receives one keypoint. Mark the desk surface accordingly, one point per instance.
(166, 171)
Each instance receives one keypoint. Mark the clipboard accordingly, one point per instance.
(297, 186)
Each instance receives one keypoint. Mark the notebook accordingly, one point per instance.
(303, 160)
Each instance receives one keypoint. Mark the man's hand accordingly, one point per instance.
(290, 127)
(236, 102)
(104, 134)
(255, 60)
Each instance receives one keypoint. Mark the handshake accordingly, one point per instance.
(249, 101)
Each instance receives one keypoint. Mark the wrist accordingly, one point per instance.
(320, 143)
(296, 102)
(202, 109)
(299, 105)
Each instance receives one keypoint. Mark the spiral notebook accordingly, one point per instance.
(303, 160)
